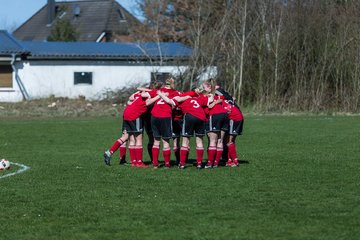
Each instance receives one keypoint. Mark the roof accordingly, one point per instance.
(91, 18)
(94, 50)
(9, 45)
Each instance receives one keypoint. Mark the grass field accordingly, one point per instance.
(300, 179)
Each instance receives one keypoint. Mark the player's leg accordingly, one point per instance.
(177, 126)
(213, 137)
(148, 130)
(235, 130)
(108, 153)
(139, 150)
(166, 151)
(219, 149)
(166, 135)
(199, 151)
(156, 144)
(132, 150)
(184, 151)
(122, 153)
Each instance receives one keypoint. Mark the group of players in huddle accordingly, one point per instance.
(167, 114)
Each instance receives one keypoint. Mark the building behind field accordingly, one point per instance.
(33, 70)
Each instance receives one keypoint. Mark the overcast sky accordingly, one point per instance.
(13, 13)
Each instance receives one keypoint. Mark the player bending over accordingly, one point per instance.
(133, 129)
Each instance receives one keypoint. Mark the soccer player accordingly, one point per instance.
(133, 128)
(147, 116)
(236, 122)
(227, 97)
(161, 122)
(192, 104)
(217, 126)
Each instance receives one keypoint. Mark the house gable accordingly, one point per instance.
(94, 20)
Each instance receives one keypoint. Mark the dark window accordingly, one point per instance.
(159, 76)
(83, 78)
(6, 76)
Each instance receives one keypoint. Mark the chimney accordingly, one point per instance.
(51, 11)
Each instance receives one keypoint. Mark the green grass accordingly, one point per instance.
(301, 181)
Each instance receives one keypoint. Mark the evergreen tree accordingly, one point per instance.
(63, 31)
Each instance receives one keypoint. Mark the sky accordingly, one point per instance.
(13, 13)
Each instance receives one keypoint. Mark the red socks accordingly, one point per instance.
(167, 155)
(122, 153)
(132, 151)
(199, 155)
(116, 145)
(155, 155)
(183, 155)
(139, 153)
(219, 152)
(232, 151)
(211, 155)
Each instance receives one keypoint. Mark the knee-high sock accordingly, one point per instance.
(199, 155)
(116, 146)
(219, 151)
(167, 155)
(139, 153)
(155, 155)
(211, 155)
(122, 153)
(183, 155)
(232, 151)
(132, 151)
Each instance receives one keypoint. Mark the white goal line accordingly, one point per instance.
(22, 169)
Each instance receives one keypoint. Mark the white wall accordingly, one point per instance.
(45, 78)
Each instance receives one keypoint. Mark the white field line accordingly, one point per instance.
(22, 169)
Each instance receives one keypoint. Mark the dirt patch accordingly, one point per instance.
(60, 107)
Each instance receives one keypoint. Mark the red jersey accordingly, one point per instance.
(195, 106)
(234, 112)
(218, 108)
(135, 109)
(161, 109)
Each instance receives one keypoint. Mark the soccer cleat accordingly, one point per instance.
(199, 167)
(181, 167)
(107, 157)
(207, 166)
(123, 162)
(142, 165)
(229, 163)
(236, 163)
(215, 165)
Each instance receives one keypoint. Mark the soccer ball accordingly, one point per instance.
(4, 164)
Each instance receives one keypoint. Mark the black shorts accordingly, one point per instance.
(177, 126)
(218, 122)
(134, 126)
(192, 124)
(161, 127)
(147, 123)
(235, 127)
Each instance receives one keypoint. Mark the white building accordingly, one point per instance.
(32, 70)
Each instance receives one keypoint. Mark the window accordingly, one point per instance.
(159, 76)
(6, 76)
(82, 78)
